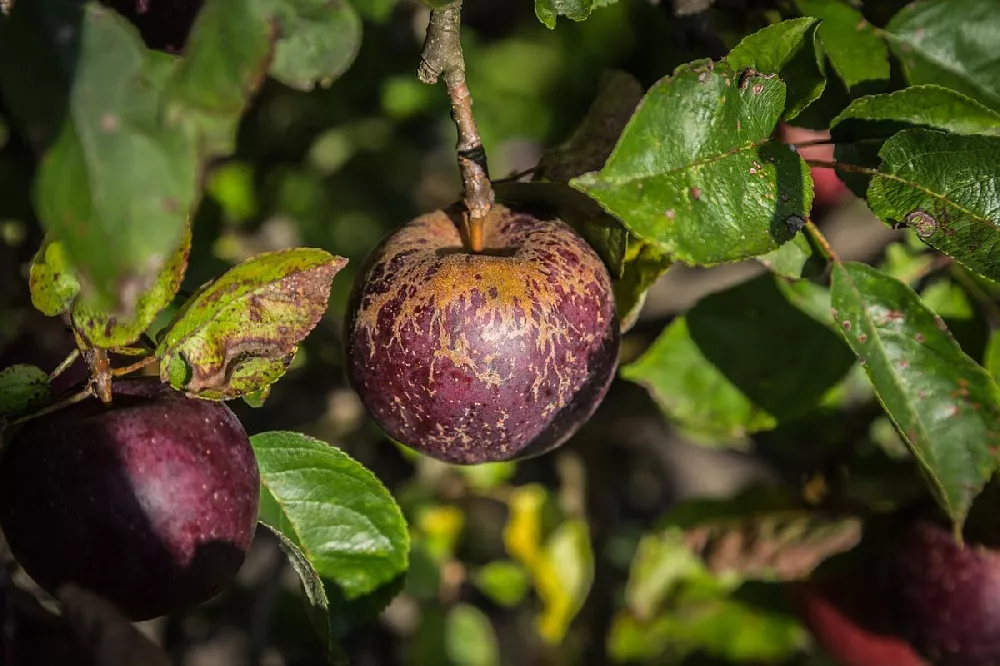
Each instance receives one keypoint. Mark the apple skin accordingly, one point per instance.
(847, 615)
(947, 597)
(151, 502)
(473, 358)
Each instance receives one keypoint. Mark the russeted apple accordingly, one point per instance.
(474, 357)
(150, 502)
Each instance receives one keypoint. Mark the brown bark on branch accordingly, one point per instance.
(442, 58)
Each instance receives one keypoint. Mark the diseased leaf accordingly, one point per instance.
(730, 367)
(943, 403)
(790, 50)
(947, 188)
(239, 333)
(855, 49)
(697, 173)
(53, 282)
(22, 387)
(548, 10)
(762, 535)
(345, 534)
(951, 43)
(591, 143)
(101, 328)
(863, 127)
(318, 41)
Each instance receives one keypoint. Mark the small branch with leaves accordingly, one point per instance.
(442, 58)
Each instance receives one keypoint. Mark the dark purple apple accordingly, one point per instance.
(481, 357)
(947, 596)
(151, 502)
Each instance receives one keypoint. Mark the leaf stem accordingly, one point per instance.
(843, 166)
(67, 362)
(821, 240)
(442, 57)
(83, 394)
(128, 369)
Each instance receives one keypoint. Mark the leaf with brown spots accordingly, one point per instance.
(53, 281)
(697, 171)
(101, 327)
(945, 186)
(238, 334)
(944, 405)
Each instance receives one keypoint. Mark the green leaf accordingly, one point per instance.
(53, 282)
(863, 127)
(944, 405)
(469, 637)
(102, 328)
(854, 48)
(225, 60)
(239, 333)
(743, 360)
(591, 143)
(644, 264)
(947, 188)
(118, 183)
(794, 259)
(790, 50)
(548, 10)
(319, 41)
(696, 170)
(992, 361)
(341, 519)
(22, 387)
(951, 43)
(503, 581)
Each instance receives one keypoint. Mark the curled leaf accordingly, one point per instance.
(53, 282)
(239, 333)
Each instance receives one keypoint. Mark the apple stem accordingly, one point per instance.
(442, 57)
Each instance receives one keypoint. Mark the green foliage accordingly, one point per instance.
(945, 188)
(944, 404)
(949, 43)
(728, 367)
(696, 173)
(790, 50)
(109, 144)
(346, 536)
(855, 50)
